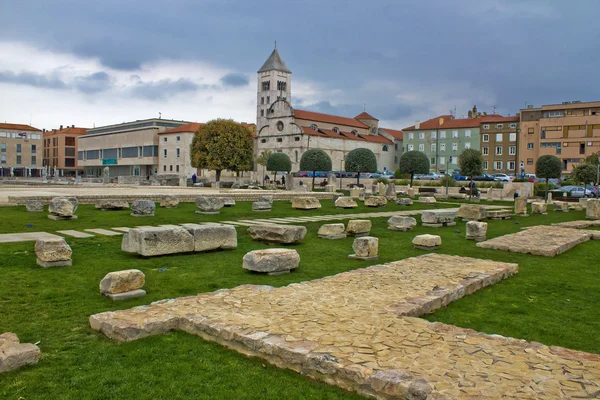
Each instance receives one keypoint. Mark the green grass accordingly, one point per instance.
(551, 300)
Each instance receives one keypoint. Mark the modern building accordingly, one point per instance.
(499, 144)
(128, 149)
(281, 128)
(442, 139)
(570, 131)
(60, 150)
(20, 150)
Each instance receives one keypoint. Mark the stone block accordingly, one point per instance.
(346, 202)
(122, 281)
(271, 261)
(125, 295)
(521, 206)
(562, 206)
(266, 198)
(400, 223)
(356, 192)
(404, 201)
(472, 212)
(593, 209)
(539, 207)
(376, 201)
(142, 208)
(306, 203)
(111, 204)
(391, 191)
(427, 242)
(583, 201)
(499, 214)
(358, 227)
(53, 253)
(261, 206)
(158, 241)
(34, 206)
(212, 237)
(228, 202)
(286, 234)
(427, 200)
(169, 202)
(365, 248)
(576, 206)
(336, 196)
(209, 205)
(300, 189)
(476, 231)
(14, 355)
(332, 231)
(438, 218)
(330, 188)
(411, 193)
(63, 207)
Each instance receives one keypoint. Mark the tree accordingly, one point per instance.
(222, 144)
(593, 159)
(315, 160)
(548, 167)
(262, 159)
(413, 162)
(277, 162)
(585, 173)
(361, 160)
(470, 163)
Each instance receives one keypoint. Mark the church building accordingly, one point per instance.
(281, 128)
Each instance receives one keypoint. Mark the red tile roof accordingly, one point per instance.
(449, 122)
(376, 139)
(326, 133)
(19, 127)
(331, 119)
(191, 127)
(365, 115)
(395, 133)
(66, 131)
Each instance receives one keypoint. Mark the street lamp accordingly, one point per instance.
(447, 179)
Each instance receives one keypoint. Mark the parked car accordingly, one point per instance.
(388, 175)
(459, 177)
(432, 176)
(484, 177)
(579, 191)
(532, 178)
(502, 178)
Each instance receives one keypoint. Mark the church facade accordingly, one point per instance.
(281, 128)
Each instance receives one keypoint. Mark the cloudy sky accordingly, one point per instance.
(88, 62)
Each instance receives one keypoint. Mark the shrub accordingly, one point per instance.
(315, 160)
(382, 180)
(413, 162)
(520, 180)
(361, 160)
(447, 180)
(470, 162)
(279, 162)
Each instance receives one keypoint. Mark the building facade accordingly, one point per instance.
(570, 131)
(21, 148)
(60, 150)
(281, 128)
(127, 149)
(499, 144)
(174, 150)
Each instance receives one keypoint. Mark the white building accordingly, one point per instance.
(280, 128)
(174, 150)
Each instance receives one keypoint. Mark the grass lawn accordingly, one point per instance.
(551, 300)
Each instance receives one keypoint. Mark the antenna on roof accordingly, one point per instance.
(276, 45)
(494, 109)
(159, 115)
(364, 106)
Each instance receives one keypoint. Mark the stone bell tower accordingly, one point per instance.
(274, 82)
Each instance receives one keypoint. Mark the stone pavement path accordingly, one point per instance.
(358, 330)
(75, 234)
(104, 232)
(26, 237)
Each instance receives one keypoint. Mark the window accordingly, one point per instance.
(434, 135)
(486, 127)
(314, 127)
(543, 134)
(485, 165)
(468, 133)
(92, 154)
(3, 147)
(499, 126)
(2, 159)
(411, 136)
(485, 138)
(336, 129)
(178, 138)
(512, 126)
(555, 114)
(442, 134)
(485, 151)
(297, 138)
(511, 165)
(433, 147)
(410, 147)
(69, 141)
(354, 132)
(268, 99)
(512, 150)
(281, 85)
(279, 140)
(164, 168)
(150, 151)
(454, 134)
(432, 160)
(497, 165)
(18, 147)
(263, 140)
(421, 147)
(80, 155)
(395, 159)
(442, 160)
(453, 160)
(296, 153)
(498, 150)
(454, 146)
(69, 162)
(581, 148)
(512, 137)
(177, 168)
(170, 168)
(442, 146)
(384, 148)
(396, 146)
(266, 85)
(34, 149)
(70, 152)
(165, 153)
(498, 137)
(280, 126)
(529, 146)
(33, 160)
(18, 160)
(468, 145)
(530, 130)
(262, 113)
(421, 135)
(131, 152)
(177, 152)
(164, 139)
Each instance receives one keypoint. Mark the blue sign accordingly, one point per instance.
(109, 161)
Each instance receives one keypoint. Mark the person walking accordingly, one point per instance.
(194, 178)
(283, 180)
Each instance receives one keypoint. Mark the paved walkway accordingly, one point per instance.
(357, 330)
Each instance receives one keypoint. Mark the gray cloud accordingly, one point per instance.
(32, 79)
(94, 83)
(235, 80)
(160, 90)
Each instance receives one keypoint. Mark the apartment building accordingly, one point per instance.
(570, 131)
(499, 144)
(174, 150)
(20, 149)
(60, 150)
(127, 149)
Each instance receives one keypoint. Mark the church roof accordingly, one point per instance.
(365, 115)
(331, 119)
(394, 132)
(274, 62)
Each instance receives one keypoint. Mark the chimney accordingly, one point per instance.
(73, 126)
(474, 111)
(417, 124)
(61, 127)
(44, 130)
